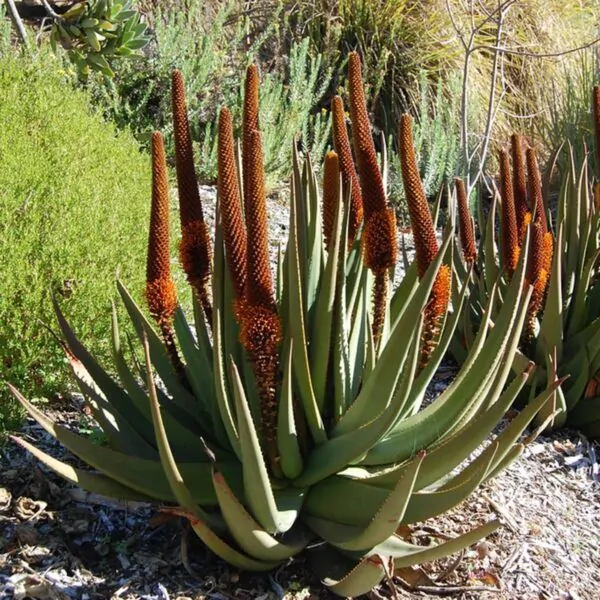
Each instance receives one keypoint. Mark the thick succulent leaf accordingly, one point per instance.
(315, 255)
(120, 419)
(405, 291)
(343, 576)
(578, 312)
(87, 480)
(379, 387)
(342, 450)
(298, 333)
(424, 505)
(322, 322)
(446, 456)
(464, 394)
(388, 517)
(417, 392)
(356, 353)
(222, 392)
(490, 253)
(161, 362)
(174, 477)
(249, 535)
(328, 499)
(137, 440)
(257, 485)
(418, 554)
(344, 366)
(198, 364)
(554, 411)
(287, 433)
(221, 548)
(184, 440)
(142, 475)
(405, 553)
(355, 272)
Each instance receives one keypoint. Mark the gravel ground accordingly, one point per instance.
(58, 543)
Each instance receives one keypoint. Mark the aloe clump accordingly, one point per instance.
(562, 330)
(290, 411)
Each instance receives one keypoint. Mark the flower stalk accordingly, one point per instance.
(380, 245)
(160, 293)
(194, 250)
(465, 223)
(426, 246)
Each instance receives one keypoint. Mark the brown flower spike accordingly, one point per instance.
(260, 326)
(341, 144)
(373, 192)
(379, 242)
(249, 123)
(510, 233)
(465, 223)
(426, 246)
(160, 289)
(230, 206)
(537, 275)
(331, 196)
(535, 188)
(194, 250)
(596, 111)
(519, 185)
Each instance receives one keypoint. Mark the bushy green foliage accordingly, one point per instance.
(211, 51)
(73, 206)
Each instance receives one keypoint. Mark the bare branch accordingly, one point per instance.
(535, 54)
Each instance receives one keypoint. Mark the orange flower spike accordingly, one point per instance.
(259, 282)
(160, 289)
(426, 246)
(331, 195)
(519, 183)
(596, 110)
(161, 296)
(434, 312)
(380, 251)
(232, 219)
(249, 122)
(341, 144)
(510, 234)
(373, 192)
(535, 188)
(537, 275)
(189, 197)
(194, 250)
(465, 223)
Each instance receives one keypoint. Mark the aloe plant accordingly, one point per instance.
(289, 408)
(562, 331)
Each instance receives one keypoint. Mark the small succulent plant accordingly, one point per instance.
(288, 416)
(562, 330)
(97, 32)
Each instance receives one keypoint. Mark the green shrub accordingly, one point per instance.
(211, 50)
(73, 206)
